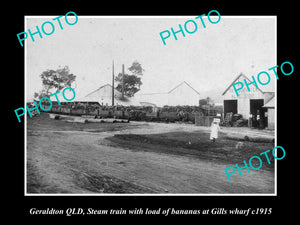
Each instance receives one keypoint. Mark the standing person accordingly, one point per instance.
(214, 129)
(250, 121)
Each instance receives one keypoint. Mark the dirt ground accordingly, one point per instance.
(142, 157)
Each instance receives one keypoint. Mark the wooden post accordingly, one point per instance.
(122, 81)
(113, 86)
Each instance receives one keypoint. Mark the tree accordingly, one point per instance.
(136, 69)
(132, 82)
(54, 81)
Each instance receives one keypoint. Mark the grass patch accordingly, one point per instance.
(196, 144)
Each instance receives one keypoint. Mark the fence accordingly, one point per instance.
(203, 120)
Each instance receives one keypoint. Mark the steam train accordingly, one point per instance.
(137, 113)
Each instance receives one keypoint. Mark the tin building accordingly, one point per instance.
(248, 104)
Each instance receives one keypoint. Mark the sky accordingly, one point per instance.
(209, 59)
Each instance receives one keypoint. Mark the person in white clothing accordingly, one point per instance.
(214, 129)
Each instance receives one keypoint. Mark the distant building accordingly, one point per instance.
(182, 94)
(248, 104)
(103, 95)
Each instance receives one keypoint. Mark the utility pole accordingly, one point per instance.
(122, 81)
(113, 85)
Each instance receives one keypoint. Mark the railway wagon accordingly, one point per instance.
(139, 115)
(168, 116)
(152, 116)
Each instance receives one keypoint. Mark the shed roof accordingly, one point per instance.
(238, 77)
(270, 103)
(183, 83)
(103, 94)
(163, 98)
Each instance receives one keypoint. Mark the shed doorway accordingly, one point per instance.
(230, 106)
(258, 113)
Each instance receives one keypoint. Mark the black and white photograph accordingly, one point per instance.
(146, 113)
(120, 111)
